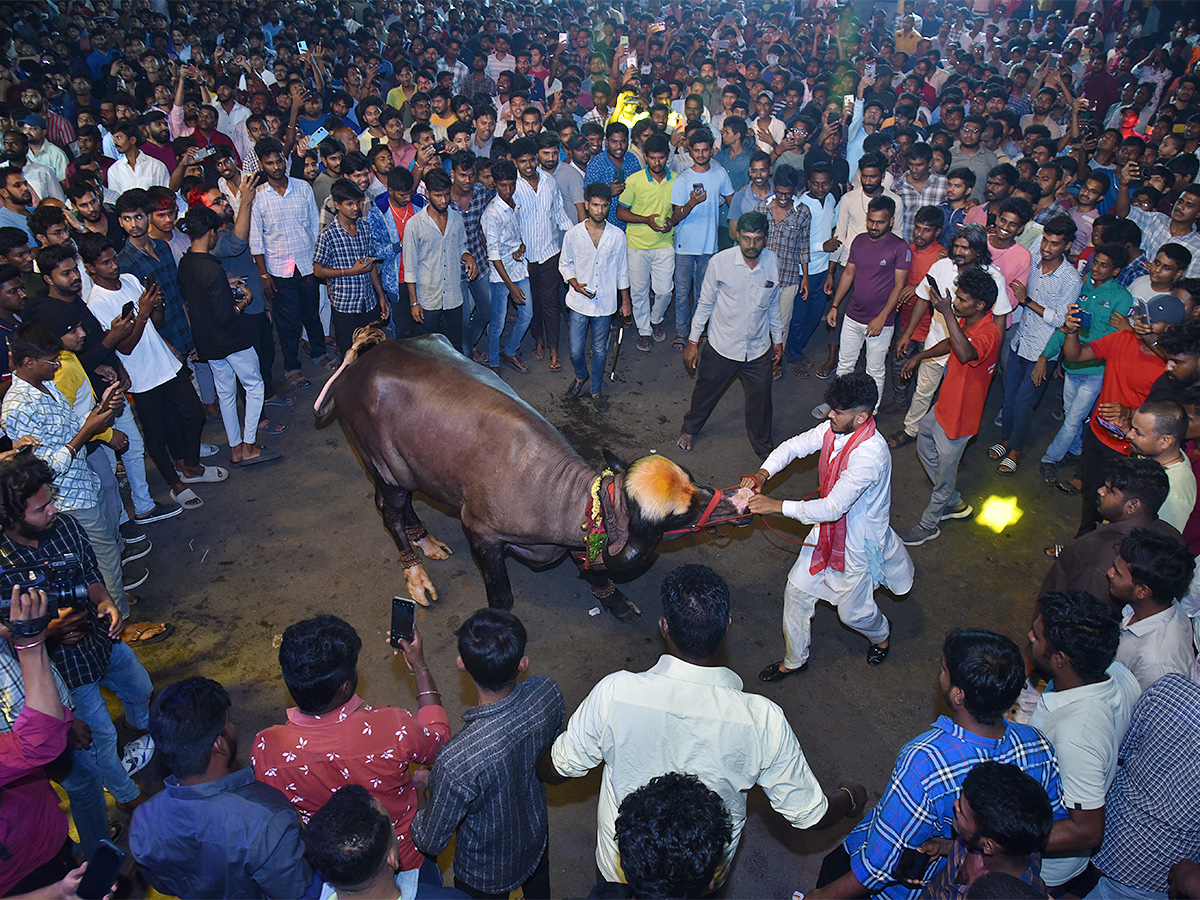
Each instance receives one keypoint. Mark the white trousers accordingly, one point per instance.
(650, 270)
(857, 610)
(241, 366)
(854, 335)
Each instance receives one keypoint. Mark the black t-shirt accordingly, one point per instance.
(1167, 387)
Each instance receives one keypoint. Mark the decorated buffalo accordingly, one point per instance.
(424, 418)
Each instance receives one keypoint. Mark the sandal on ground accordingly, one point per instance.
(801, 369)
(539, 352)
(1049, 473)
(187, 499)
(776, 372)
(146, 633)
(997, 451)
(1007, 466)
(285, 401)
(684, 442)
(824, 372)
(327, 361)
(775, 672)
(1053, 551)
(210, 475)
(264, 456)
(298, 381)
(555, 366)
(900, 439)
(877, 654)
(1067, 488)
(679, 343)
(514, 362)
(265, 427)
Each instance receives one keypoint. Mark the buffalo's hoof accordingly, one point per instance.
(621, 607)
(420, 588)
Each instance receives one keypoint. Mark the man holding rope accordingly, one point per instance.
(851, 550)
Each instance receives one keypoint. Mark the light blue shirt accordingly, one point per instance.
(824, 218)
(697, 234)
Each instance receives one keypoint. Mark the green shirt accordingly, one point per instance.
(1101, 302)
(643, 196)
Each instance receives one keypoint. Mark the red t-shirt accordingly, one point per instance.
(959, 407)
(310, 757)
(1129, 371)
(921, 261)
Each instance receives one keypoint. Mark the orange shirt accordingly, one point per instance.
(959, 407)
(1129, 372)
(921, 261)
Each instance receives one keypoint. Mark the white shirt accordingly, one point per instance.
(945, 273)
(775, 128)
(283, 228)
(602, 269)
(543, 217)
(44, 182)
(1085, 724)
(227, 120)
(863, 494)
(151, 363)
(820, 229)
(146, 172)
(502, 235)
(1157, 645)
(678, 717)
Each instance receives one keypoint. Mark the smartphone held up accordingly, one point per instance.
(404, 618)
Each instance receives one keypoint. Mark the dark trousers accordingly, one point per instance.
(1093, 466)
(714, 374)
(296, 305)
(1021, 397)
(902, 388)
(535, 887)
(545, 283)
(443, 321)
(264, 346)
(345, 324)
(173, 404)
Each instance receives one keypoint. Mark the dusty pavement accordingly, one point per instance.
(291, 539)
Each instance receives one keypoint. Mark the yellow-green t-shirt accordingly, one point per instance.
(645, 197)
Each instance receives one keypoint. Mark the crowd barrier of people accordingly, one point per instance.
(918, 206)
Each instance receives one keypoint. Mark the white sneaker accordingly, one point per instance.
(137, 754)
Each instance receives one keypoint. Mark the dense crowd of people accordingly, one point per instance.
(924, 204)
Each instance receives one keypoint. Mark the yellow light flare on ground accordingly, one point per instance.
(999, 512)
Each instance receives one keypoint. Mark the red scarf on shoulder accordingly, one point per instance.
(830, 552)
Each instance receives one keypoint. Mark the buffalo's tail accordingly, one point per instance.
(364, 339)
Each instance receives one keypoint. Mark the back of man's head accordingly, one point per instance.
(1086, 630)
(1009, 807)
(186, 719)
(1158, 562)
(856, 391)
(672, 834)
(695, 603)
(317, 657)
(988, 669)
(491, 645)
(1141, 479)
(349, 839)
(1002, 886)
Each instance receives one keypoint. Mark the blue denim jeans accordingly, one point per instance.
(127, 678)
(77, 774)
(1021, 397)
(477, 311)
(1079, 396)
(496, 321)
(806, 316)
(689, 276)
(578, 336)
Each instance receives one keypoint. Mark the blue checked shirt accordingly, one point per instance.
(1150, 810)
(918, 802)
(1131, 272)
(932, 194)
(602, 168)
(283, 228)
(339, 249)
(473, 222)
(1055, 292)
(175, 329)
(1156, 231)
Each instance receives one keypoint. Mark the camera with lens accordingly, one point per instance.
(61, 579)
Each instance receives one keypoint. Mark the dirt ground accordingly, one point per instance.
(292, 539)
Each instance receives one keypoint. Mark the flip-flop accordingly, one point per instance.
(212, 474)
(1049, 473)
(555, 366)
(776, 372)
(825, 372)
(168, 629)
(679, 343)
(187, 499)
(1007, 466)
(327, 362)
(285, 401)
(265, 456)
(539, 352)
(684, 442)
(997, 451)
(277, 428)
(299, 382)
(900, 439)
(1067, 488)
(1053, 551)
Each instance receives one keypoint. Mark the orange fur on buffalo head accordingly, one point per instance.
(660, 488)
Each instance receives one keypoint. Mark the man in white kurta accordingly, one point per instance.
(852, 549)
